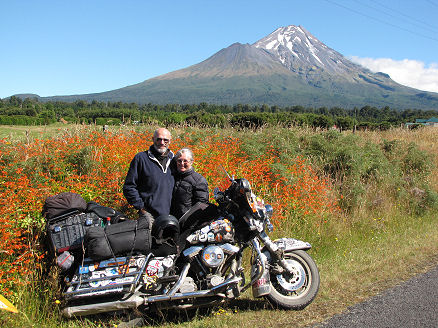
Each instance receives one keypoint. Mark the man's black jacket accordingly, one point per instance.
(148, 184)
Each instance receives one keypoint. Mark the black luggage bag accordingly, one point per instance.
(63, 203)
(124, 238)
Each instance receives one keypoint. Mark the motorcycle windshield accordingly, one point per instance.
(224, 178)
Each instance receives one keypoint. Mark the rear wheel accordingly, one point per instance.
(295, 290)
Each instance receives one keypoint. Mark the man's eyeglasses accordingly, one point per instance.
(182, 161)
(166, 141)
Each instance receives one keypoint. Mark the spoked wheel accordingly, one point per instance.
(295, 290)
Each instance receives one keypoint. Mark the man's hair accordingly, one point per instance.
(156, 132)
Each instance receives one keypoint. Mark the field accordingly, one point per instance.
(365, 201)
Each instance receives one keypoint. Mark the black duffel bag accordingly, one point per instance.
(124, 238)
(62, 203)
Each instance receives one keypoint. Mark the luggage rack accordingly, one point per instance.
(118, 275)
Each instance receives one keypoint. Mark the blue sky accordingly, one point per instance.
(77, 47)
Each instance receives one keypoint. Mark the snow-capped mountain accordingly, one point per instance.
(287, 67)
(296, 48)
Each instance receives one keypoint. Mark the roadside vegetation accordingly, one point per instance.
(366, 201)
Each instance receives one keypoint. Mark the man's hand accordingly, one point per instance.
(145, 215)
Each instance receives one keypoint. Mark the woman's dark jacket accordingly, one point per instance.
(190, 188)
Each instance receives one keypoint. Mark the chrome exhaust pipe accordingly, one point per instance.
(80, 310)
(178, 284)
(201, 293)
(135, 301)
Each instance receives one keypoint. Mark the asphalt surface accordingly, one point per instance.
(413, 303)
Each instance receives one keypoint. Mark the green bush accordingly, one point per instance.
(362, 171)
(416, 162)
(175, 118)
(249, 120)
(207, 120)
(23, 120)
(82, 160)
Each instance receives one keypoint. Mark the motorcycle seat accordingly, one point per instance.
(99, 210)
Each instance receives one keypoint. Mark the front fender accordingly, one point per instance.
(291, 244)
(288, 245)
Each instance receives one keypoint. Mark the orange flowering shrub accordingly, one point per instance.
(94, 165)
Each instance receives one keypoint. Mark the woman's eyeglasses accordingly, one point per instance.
(182, 161)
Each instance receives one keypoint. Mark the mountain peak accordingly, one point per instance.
(296, 48)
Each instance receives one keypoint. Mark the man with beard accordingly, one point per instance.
(149, 182)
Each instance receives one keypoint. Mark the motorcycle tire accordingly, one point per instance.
(295, 291)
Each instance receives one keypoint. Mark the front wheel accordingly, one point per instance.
(295, 290)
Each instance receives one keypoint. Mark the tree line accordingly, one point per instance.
(30, 111)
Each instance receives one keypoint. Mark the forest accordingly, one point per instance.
(30, 111)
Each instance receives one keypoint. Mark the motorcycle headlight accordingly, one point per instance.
(212, 256)
(244, 186)
(269, 210)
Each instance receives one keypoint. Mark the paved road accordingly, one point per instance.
(413, 303)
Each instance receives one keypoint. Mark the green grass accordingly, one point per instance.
(24, 133)
(27, 133)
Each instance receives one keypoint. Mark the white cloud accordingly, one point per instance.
(412, 73)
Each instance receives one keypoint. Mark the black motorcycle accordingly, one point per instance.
(192, 262)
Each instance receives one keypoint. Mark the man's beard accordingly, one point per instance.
(162, 151)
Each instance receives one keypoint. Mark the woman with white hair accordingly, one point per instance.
(190, 186)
